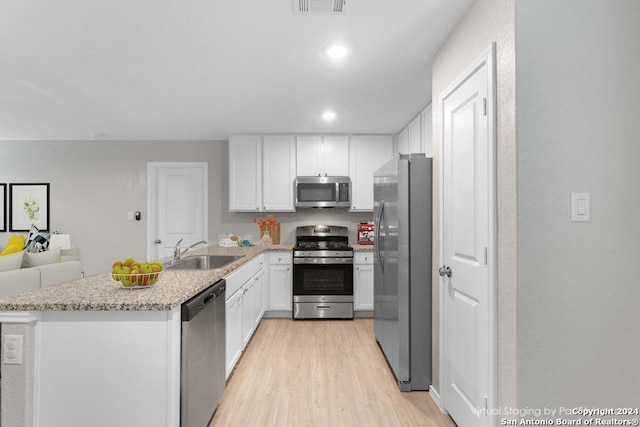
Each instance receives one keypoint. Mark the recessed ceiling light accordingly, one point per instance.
(328, 115)
(337, 51)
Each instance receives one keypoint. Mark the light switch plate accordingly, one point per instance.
(580, 209)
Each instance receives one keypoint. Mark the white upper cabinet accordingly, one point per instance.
(245, 173)
(417, 137)
(368, 153)
(261, 173)
(427, 131)
(322, 155)
(262, 168)
(335, 155)
(279, 171)
(403, 141)
(308, 155)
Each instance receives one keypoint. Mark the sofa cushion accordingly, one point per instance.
(15, 244)
(11, 261)
(38, 241)
(41, 258)
(16, 281)
(52, 274)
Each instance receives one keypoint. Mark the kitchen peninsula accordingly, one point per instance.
(101, 354)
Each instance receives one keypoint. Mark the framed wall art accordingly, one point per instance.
(29, 204)
(3, 207)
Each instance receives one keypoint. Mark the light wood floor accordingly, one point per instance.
(319, 373)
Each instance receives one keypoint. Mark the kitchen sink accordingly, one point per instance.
(203, 262)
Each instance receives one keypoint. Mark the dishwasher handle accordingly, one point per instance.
(196, 304)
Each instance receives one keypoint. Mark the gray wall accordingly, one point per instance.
(95, 183)
(486, 21)
(567, 292)
(578, 130)
(17, 406)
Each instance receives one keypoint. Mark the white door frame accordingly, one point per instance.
(486, 57)
(152, 201)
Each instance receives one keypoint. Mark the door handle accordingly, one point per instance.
(157, 242)
(377, 233)
(445, 271)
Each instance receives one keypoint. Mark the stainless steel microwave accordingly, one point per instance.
(323, 191)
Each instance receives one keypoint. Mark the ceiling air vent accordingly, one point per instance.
(320, 7)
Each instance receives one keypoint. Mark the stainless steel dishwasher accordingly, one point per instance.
(203, 356)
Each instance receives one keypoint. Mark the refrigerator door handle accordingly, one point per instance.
(377, 240)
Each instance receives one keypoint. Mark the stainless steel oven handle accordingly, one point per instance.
(324, 261)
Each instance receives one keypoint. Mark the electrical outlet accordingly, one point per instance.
(12, 352)
(130, 216)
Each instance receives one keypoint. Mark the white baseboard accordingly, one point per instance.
(436, 398)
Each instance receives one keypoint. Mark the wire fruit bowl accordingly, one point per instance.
(137, 281)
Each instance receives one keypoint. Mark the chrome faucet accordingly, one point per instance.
(177, 252)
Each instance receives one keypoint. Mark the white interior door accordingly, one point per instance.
(467, 246)
(177, 204)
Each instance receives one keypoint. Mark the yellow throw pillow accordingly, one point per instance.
(15, 244)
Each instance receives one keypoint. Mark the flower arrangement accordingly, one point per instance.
(268, 227)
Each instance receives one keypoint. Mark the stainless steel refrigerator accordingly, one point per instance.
(402, 267)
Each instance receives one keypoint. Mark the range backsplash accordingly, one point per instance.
(241, 223)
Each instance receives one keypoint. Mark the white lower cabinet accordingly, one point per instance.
(244, 308)
(280, 281)
(248, 306)
(250, 292)
(258, 299)
(363, 281)
(233, 325)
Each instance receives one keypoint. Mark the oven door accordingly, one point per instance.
(323, 276)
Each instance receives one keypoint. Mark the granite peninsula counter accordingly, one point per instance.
(100, 292)
(96, 353)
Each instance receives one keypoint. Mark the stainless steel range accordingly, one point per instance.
(322, 273)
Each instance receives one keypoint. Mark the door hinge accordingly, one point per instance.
(484, 107)
(486, 256)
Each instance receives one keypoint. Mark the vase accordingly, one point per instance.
(266, 238)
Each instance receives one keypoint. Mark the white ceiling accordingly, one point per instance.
(202, 69)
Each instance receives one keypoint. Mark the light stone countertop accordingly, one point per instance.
(362, 248)
(101, 293)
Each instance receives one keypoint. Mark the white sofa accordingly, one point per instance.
(13, 282)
